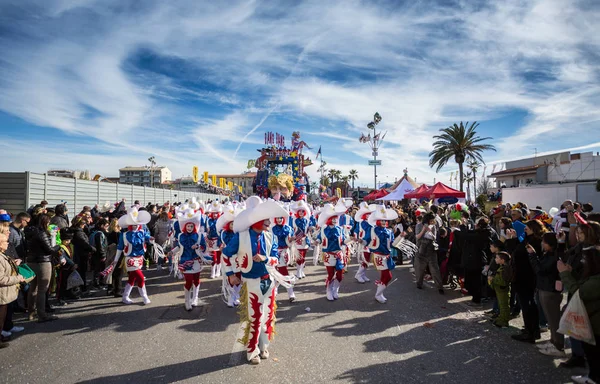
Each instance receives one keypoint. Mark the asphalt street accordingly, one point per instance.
(418, 336)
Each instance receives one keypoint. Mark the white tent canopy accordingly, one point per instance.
(398, 193)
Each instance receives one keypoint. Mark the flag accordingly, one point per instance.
(318, 153)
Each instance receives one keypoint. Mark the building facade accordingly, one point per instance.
(244, 180)
(142, 176)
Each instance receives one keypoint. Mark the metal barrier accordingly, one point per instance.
(20, 190)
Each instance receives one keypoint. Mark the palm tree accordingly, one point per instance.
(458, 142)
(353, 175)
(468, 180)
(331, 174)
(473, 165)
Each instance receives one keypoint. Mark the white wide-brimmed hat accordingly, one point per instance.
(300, 205)
(326, 213)
(257, 211)
(230, 212)
(107, 207)
(363, 209)
(134, 217)
(343, 205)
(189, 216)
(382, 213)
(215, 207)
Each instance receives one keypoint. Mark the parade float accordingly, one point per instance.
(281, 169)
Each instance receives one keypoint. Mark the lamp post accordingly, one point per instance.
(374, 142)
(152, 161)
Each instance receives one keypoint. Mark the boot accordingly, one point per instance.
(195, 295)
(231, 298)
(144, 295)
(291, 294)
(236, 292)
(379, 295)
(358, 276)
(335, 289)
(126, 293)
(186, 295)
(302, 270)
(329, 287)
(213, 271)
(364, 275)
(298, 271)
(218, 270)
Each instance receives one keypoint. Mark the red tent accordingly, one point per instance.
(418, 193)
(442, 190)
(376, 194)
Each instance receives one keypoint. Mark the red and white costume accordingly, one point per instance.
(213, 241)
(363, 252)
(300, 226)
(231, 293)
(382, 238)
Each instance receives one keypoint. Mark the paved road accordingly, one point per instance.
(352, 340)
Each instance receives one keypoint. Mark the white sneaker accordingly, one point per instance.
(6, 334)
(543, 345)
(16, 329)
(582, 380)
(553, 351)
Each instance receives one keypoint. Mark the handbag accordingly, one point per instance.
(26, 272)
(74, 280)
(575, 321)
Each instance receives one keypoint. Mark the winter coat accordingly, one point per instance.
(524, 276)
(476, 249)
(39, 245)
(545, 269)
(9, 280)
(81, 245)
(100, 242)
(61, 221)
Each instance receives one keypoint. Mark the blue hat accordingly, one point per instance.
(5, 218)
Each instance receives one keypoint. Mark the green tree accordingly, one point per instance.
(459, 143)
(353, 175)
(473, 165)
(468, 180)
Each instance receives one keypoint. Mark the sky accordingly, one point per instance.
(98, 85)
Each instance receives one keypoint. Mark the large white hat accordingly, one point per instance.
(189, 216)
(215, 207)
(364, 208)
(230, 212)
(328, 212)
(382, 213)
(343, 205)
(134, 217)
(257, 211)
(299, 205)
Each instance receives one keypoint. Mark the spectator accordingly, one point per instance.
(99, 240)
(67, 266)
(427, 254)
(114, 232)
(475, 254)
(39, 259)
(525, 277)
(60, 219)
(17, 234)
(9, 281)
(82, 248)
(589, 292)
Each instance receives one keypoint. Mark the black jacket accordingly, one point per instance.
(81, 245)
(61, 221)
(524, 276)
(39, 245)
(476, 248)
(545, 269)
(100, 243)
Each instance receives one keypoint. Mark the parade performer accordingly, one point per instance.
(133, 245)
(332, 239)
(315, 231)
(346, 222)
(364, 238)
(213, 241)
(189, 255)
(284, 235)
(301, 212)
(254, 249)
(231, 293)
(382, 238)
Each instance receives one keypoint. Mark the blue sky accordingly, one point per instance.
(102, 84)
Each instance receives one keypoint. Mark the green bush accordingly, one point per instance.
(481, 200)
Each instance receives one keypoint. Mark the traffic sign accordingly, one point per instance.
(374, 162)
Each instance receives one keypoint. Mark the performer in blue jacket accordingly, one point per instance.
(253, 249)
(364, 238)
(301, 223)
(382, 238)
(284, 235)
(332, 238)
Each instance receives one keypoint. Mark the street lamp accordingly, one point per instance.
(152, 161)
(374, 142)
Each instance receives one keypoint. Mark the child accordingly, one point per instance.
(66, 266)
(500, 283)
(496, 247)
